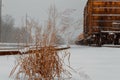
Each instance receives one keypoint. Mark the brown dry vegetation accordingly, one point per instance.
(42, 64)
(43, 61)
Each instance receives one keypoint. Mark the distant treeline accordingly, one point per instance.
(65, 30)
(12, 34)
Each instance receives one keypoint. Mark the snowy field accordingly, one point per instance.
(92, 63)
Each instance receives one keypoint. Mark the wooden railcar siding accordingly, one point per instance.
(100, 15)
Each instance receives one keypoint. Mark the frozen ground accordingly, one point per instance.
(93, 63)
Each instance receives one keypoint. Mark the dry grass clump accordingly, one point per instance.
(43, 64)
(44, 60)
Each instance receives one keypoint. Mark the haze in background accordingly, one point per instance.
(38, 9)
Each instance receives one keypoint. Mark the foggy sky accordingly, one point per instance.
(38, 9)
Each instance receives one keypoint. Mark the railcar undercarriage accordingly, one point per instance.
(101, 38)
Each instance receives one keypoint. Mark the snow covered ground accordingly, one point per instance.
(92, 63)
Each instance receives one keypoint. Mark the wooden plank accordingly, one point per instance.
(106, 17)
(106, 4)
(106, 10)
(9, 53)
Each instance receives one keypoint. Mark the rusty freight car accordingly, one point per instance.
(101, 22)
